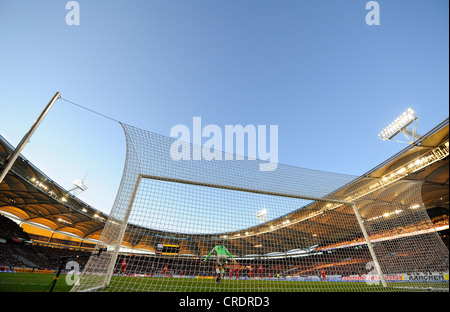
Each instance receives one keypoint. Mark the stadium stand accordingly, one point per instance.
(18, 251)
(50, 222)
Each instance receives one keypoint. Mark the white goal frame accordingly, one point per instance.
(110, 269)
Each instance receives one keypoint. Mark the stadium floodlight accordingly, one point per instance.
(400, 125)
(261, 215)
(78, 187)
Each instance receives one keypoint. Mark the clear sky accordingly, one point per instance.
(314, 68)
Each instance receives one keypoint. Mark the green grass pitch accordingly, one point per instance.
(29, 282)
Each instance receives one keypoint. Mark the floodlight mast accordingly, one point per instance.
(78, 187)
(261, 215)
(10, 161)
(400, 125)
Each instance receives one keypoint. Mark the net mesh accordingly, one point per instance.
(290, 229)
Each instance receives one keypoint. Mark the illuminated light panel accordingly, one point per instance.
(398, 125)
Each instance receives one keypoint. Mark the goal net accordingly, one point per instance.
(224, 225)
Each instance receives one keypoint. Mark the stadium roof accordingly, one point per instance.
(34, 198)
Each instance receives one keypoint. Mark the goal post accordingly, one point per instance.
(123, 228)
(369, 245)
(322, 231)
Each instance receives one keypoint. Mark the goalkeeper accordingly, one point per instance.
(221, 260)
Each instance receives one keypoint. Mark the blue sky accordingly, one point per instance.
(314, 68)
